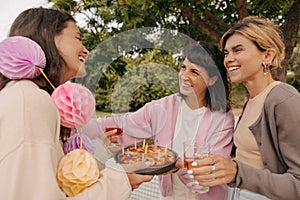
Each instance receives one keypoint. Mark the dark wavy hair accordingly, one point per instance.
(42, 25)
(211, 59)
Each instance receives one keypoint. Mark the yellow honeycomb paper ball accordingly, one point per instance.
(77, 170)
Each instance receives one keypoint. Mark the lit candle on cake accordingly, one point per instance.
(158, 154)
(123, 150)
(143, 158)
(144, 143)
(146, 148)
(128, 153)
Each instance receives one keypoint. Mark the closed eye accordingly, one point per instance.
(196, 72)
(225, 53)
(237, 48)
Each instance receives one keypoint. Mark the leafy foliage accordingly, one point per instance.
(149, 76)
(294, 77)
(115, 54)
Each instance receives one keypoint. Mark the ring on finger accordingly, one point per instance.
(213, 168)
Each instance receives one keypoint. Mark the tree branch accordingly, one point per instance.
(206, 29)
(215, 21)
(290, 29)
(241, 8)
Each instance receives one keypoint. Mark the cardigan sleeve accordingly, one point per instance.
(221, 129)
(222, 140)
(112, 184)
(136, 125)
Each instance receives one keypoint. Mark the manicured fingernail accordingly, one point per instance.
(190, 184)
(194, 164)
(189, 172)
(196, 183)
(191, 176)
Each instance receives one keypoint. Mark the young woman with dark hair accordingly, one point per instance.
(200, 111)
(30, 134)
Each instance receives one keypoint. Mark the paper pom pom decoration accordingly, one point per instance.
(20, 58)
(76, 104)
(76, 171)
(73, 143)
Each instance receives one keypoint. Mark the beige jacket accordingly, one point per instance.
(30, 150)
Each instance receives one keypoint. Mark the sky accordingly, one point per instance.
(11, 9)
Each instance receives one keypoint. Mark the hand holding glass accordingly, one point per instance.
(115, 137)
(191, 153)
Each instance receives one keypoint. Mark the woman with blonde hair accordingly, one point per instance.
(266, 163)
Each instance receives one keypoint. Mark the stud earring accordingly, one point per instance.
(266, 68)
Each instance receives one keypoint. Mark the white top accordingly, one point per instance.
(186, 129)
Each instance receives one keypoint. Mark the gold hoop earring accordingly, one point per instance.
(266, 68)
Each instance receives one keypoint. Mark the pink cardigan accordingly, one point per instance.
(157, 119)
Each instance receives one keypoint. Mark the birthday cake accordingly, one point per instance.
(161, 158)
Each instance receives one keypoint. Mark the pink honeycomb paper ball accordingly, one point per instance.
(21, 58)
(76, 104)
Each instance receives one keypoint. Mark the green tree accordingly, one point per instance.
(294, 77)
(147, 78)
(201, 20)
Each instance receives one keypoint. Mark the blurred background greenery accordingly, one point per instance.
(201, 20)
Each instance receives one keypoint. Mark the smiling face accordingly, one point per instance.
(193, 81)
(243, 60)
(70, 47)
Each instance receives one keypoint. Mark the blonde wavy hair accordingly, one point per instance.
(263, 33)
